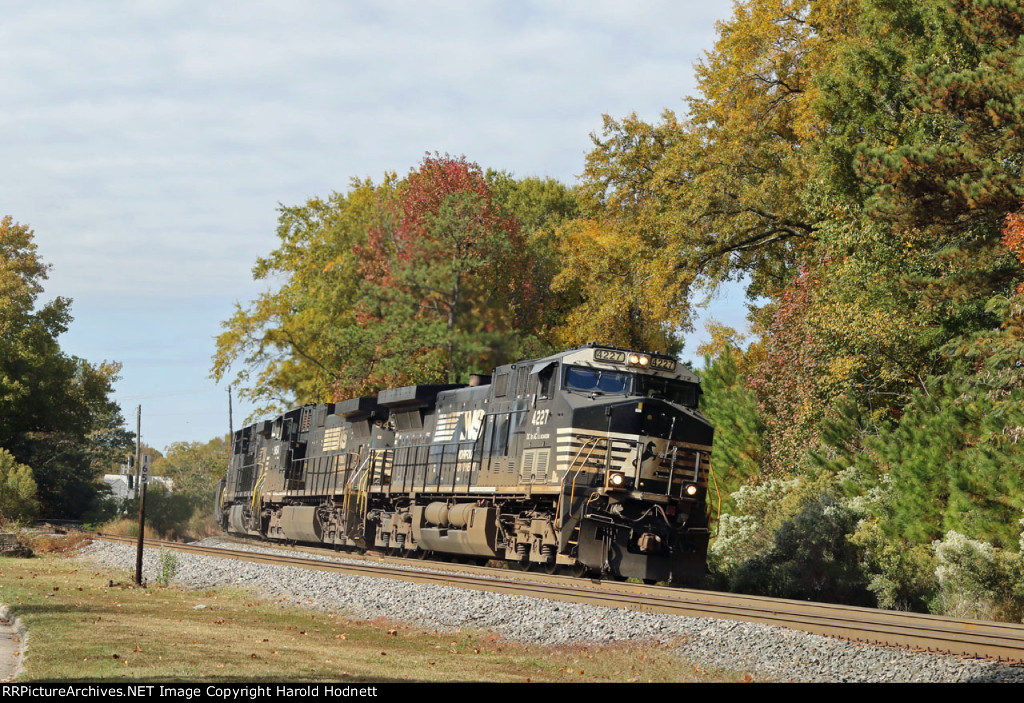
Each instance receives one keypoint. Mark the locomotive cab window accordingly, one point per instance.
(545, 381)
(678, 392)
(587, 380)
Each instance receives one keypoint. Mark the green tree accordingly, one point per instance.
(195, 468)
(543, 208)
(924, 112)
(57, 414)
(167, 511)
(17, 490)
(740, 446)
(427, 278)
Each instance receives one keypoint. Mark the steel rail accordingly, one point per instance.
(975, 638)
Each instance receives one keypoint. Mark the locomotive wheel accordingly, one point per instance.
(577, 570)
(519, 564)
(551, 568)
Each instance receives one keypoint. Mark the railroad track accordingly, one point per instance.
(931, 633)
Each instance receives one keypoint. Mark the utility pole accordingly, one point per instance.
(138, 447)
(231, 423)
(140, 491)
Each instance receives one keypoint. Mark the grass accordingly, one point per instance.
(87, 625)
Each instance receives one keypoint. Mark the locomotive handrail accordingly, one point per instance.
(572, 489)
(256, 500)
(353, 479)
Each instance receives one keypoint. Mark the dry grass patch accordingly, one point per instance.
(89, 625)
(129, 527)
(45, 543)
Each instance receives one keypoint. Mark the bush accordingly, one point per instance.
(977, 580)
(17, 491)
(167, 512)
(811, 558)
(106, 508)
(900, 574)
(760, 510)
(168, 567)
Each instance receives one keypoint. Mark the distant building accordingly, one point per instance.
(119, 485)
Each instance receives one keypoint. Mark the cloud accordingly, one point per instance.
(149, 143)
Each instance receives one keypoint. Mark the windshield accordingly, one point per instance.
(678, 392)
(590, 380)
(587, 380)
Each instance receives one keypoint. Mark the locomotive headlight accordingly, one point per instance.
(691, 489)
(616, 479)
(639, 359)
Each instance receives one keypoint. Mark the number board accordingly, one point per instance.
(663, 364)
(610, 355)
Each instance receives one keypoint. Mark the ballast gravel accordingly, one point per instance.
(762, 651)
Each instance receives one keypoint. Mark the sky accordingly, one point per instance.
(150, 143)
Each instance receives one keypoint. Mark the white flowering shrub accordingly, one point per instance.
(751, 530)
(977, 580)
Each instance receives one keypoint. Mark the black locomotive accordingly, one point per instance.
(591, 460)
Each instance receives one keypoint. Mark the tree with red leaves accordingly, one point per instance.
(448, 281)
(421, 279)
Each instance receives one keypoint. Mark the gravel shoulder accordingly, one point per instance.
(760, 650)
